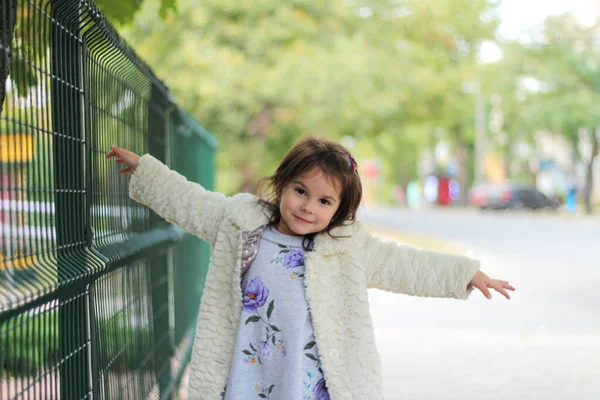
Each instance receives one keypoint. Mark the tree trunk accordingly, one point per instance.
(8, 19)
(463, 173)
(575, 154)
(433, 155)
(508, 156)
(589, 176)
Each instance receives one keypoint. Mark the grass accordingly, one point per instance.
(30, 347)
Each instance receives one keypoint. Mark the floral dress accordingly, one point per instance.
(275, 354)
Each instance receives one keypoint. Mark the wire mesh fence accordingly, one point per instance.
(87, 301)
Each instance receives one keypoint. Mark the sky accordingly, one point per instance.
(520, 16)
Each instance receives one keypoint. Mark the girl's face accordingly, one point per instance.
(308, 204)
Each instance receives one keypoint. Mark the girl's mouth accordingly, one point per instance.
(302, 221)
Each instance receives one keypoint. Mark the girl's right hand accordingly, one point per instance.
(124, 157)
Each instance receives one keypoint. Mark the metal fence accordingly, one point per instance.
(87, 276)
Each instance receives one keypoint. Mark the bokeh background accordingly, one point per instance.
(471, 91)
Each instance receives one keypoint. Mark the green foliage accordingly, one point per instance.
(31, 346)
(119, 11)
(567, 65)
(123, 11)
(24, 75)
(31, 43)
(260, 75)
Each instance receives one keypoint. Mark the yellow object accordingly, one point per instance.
(493, 167)
(16, 147)
(18, 263)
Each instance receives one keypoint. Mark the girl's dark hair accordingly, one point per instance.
(333, 160)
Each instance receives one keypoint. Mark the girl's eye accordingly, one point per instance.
(300, 191)
(324, 201)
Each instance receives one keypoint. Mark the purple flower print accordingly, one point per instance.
(255, 294)
(320, 390)
(293, 259)
(263, 349)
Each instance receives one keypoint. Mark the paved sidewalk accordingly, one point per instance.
(445, 349)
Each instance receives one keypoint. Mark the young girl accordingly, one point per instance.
(285, 313)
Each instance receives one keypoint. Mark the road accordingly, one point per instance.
(544, 343)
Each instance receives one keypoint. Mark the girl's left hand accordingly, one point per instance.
(482, 282)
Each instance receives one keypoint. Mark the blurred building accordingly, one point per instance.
(17, 151)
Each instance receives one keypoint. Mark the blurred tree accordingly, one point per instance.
(123, 11)
(22, 22)
(504, 80)
(261, 75)
(7, 27)
(439, 45)
(566, 64)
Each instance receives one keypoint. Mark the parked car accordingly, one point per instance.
(510, 196)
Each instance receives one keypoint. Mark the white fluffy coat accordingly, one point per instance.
(338, 273)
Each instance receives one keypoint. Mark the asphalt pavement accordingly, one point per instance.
(544, 343)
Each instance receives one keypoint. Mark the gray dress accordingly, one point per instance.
(275, 355)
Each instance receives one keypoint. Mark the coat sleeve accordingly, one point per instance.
(404, 269)
(186, 204)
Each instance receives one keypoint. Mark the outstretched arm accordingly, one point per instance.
(186, 204)
(404, 269)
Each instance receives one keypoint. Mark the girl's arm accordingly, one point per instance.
(186, 204)
(404, 269)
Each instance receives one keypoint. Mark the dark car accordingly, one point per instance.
(510, 196)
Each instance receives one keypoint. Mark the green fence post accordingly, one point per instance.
(159, 268)
(69, 192)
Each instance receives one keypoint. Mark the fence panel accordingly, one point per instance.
(87, 276)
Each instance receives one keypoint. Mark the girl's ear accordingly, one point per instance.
(277, 202)
(279, 195)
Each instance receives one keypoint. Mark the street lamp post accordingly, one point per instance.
(480, 121)
(479, 135)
